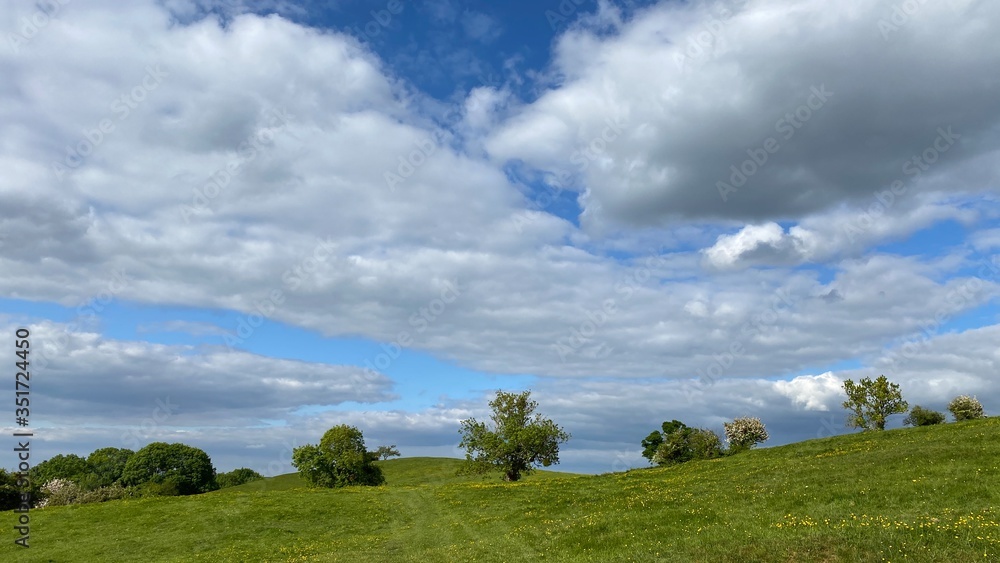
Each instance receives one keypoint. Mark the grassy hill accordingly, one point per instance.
(920, 494)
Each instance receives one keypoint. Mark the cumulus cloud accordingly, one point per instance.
(812, 392)
(832, 235)
(756, 96)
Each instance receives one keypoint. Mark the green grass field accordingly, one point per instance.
(916, 494)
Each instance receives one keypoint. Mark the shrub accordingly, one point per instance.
(965, 407)
(919, 416)
(237, 477)
(339, 460)
(745, 433)
(59, 492)
(103, 494)
(683, 444)
(62, 492)
(705, 444)
(651, 444)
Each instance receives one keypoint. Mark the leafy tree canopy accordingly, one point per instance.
(517, 441)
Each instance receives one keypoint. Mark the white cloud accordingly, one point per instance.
(727, 81)
(812, 392)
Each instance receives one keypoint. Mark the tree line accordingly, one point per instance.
(158, 469)
(513, 443)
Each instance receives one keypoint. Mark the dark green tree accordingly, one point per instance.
(339, 460)
(919, 416)
(237, 477)
(518, 441)
(681, 443)
(71, 467)
(871, 402)
(170, 469)
(108, 464)
(10, 493)
(652, 442)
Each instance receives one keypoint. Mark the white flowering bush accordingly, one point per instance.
(965, 407)
(744, 433)
(59, 492)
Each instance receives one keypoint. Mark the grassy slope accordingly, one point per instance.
(923, 494)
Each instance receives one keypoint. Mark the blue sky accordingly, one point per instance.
(284, 216)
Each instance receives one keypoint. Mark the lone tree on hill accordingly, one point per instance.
(385, 452)
(517, 443)
(871, 402)
(339, 460)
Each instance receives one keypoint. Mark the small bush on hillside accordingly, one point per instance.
(744, 433)
(62, 492)
(705, 444)
(919, 416)
(237, 477)
(339, 460)
(684, 444)
(965, 407)
(104, 494)
(59, 492)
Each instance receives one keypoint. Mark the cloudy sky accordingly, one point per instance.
(236, 223)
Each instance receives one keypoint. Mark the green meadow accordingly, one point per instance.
(915, 494)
